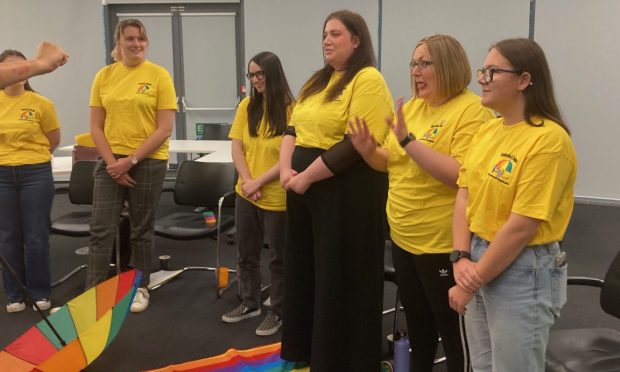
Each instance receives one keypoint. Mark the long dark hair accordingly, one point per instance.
(363, 56)
(15, 53)
(277, 97)
(527, 56)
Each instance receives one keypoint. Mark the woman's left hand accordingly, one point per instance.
(250, 187)
(459, 298)
(121, 167)
(298, 184)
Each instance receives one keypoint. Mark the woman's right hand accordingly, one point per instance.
(361, 138)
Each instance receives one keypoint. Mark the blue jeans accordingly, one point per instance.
(508, 320)
(26, 195)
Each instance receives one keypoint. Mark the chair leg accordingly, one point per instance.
(69, 275)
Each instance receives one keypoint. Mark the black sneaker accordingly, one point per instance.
(240, 313)
(270, 325)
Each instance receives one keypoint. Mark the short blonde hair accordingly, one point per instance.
(118, 32)
(450, 62)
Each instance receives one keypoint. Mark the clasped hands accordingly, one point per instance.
(468, 281)
(291, 180)
(119, 171)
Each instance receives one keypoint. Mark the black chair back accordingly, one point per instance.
(215, 131)
(81, 182)
(610, 293)
(202, 184)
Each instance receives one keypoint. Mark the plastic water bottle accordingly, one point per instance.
(401, 352)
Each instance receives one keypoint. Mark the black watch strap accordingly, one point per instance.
(457, 255)
(410, 137)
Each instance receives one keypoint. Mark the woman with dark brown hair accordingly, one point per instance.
(335, 208)
(513, 206)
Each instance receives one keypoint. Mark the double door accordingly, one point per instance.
(200, 45)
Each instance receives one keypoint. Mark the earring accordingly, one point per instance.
(531, 83)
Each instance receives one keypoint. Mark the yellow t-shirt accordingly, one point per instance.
(261, 154)
(24, 120)
(320, 124)
(522, 169)
(131, 97)
(419, 207)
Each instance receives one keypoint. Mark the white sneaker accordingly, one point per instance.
(43, 304)
(15, 307)
(140, 301)
(54, 309)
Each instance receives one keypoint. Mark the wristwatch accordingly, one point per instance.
(133, 159)
(410, 137)
(457, 255)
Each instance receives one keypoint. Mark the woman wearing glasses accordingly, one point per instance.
(256, 135)
(335, 208)
(514, 203)
(422, 155)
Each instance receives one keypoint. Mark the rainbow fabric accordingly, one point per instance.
(260, 359)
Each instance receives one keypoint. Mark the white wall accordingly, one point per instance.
(581, 42)
(77, 25)
(293, 30)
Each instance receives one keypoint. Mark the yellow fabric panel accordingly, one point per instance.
(131, 97)
(84, 139)
(24, 120)
(94, 340)
(83, 310)
(523, 169)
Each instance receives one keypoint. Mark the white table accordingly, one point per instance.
(185, 146)
(61, 167)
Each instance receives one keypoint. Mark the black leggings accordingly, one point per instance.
(423, 284)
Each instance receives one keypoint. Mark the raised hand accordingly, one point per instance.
(361, 138)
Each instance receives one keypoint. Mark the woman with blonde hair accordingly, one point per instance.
(132, 108)
(422, 156)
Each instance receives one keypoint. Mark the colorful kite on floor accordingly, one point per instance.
(260, 359)
(87, 324)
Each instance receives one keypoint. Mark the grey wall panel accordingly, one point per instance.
(476, 24)
(580, 39)
(292, 29)
(76, 25)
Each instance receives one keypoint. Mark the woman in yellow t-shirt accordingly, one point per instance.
(29, 133)
(335, 208)
(132, 108)
(260, 207)
(514, 203)
(422, 157)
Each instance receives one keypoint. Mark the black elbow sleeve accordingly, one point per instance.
(341, 156)
(290, 131)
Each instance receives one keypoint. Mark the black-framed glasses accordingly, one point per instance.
(260, 75)
(422, 64)
(486, 74)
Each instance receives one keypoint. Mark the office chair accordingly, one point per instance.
(589, 349)
(208, 185)
(77, 223)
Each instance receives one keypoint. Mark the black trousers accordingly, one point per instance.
(334, 269)
(423, 283)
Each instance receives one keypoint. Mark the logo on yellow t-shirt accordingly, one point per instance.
(432, 133)
(27, 114)
(503, 169)
(144, 88)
